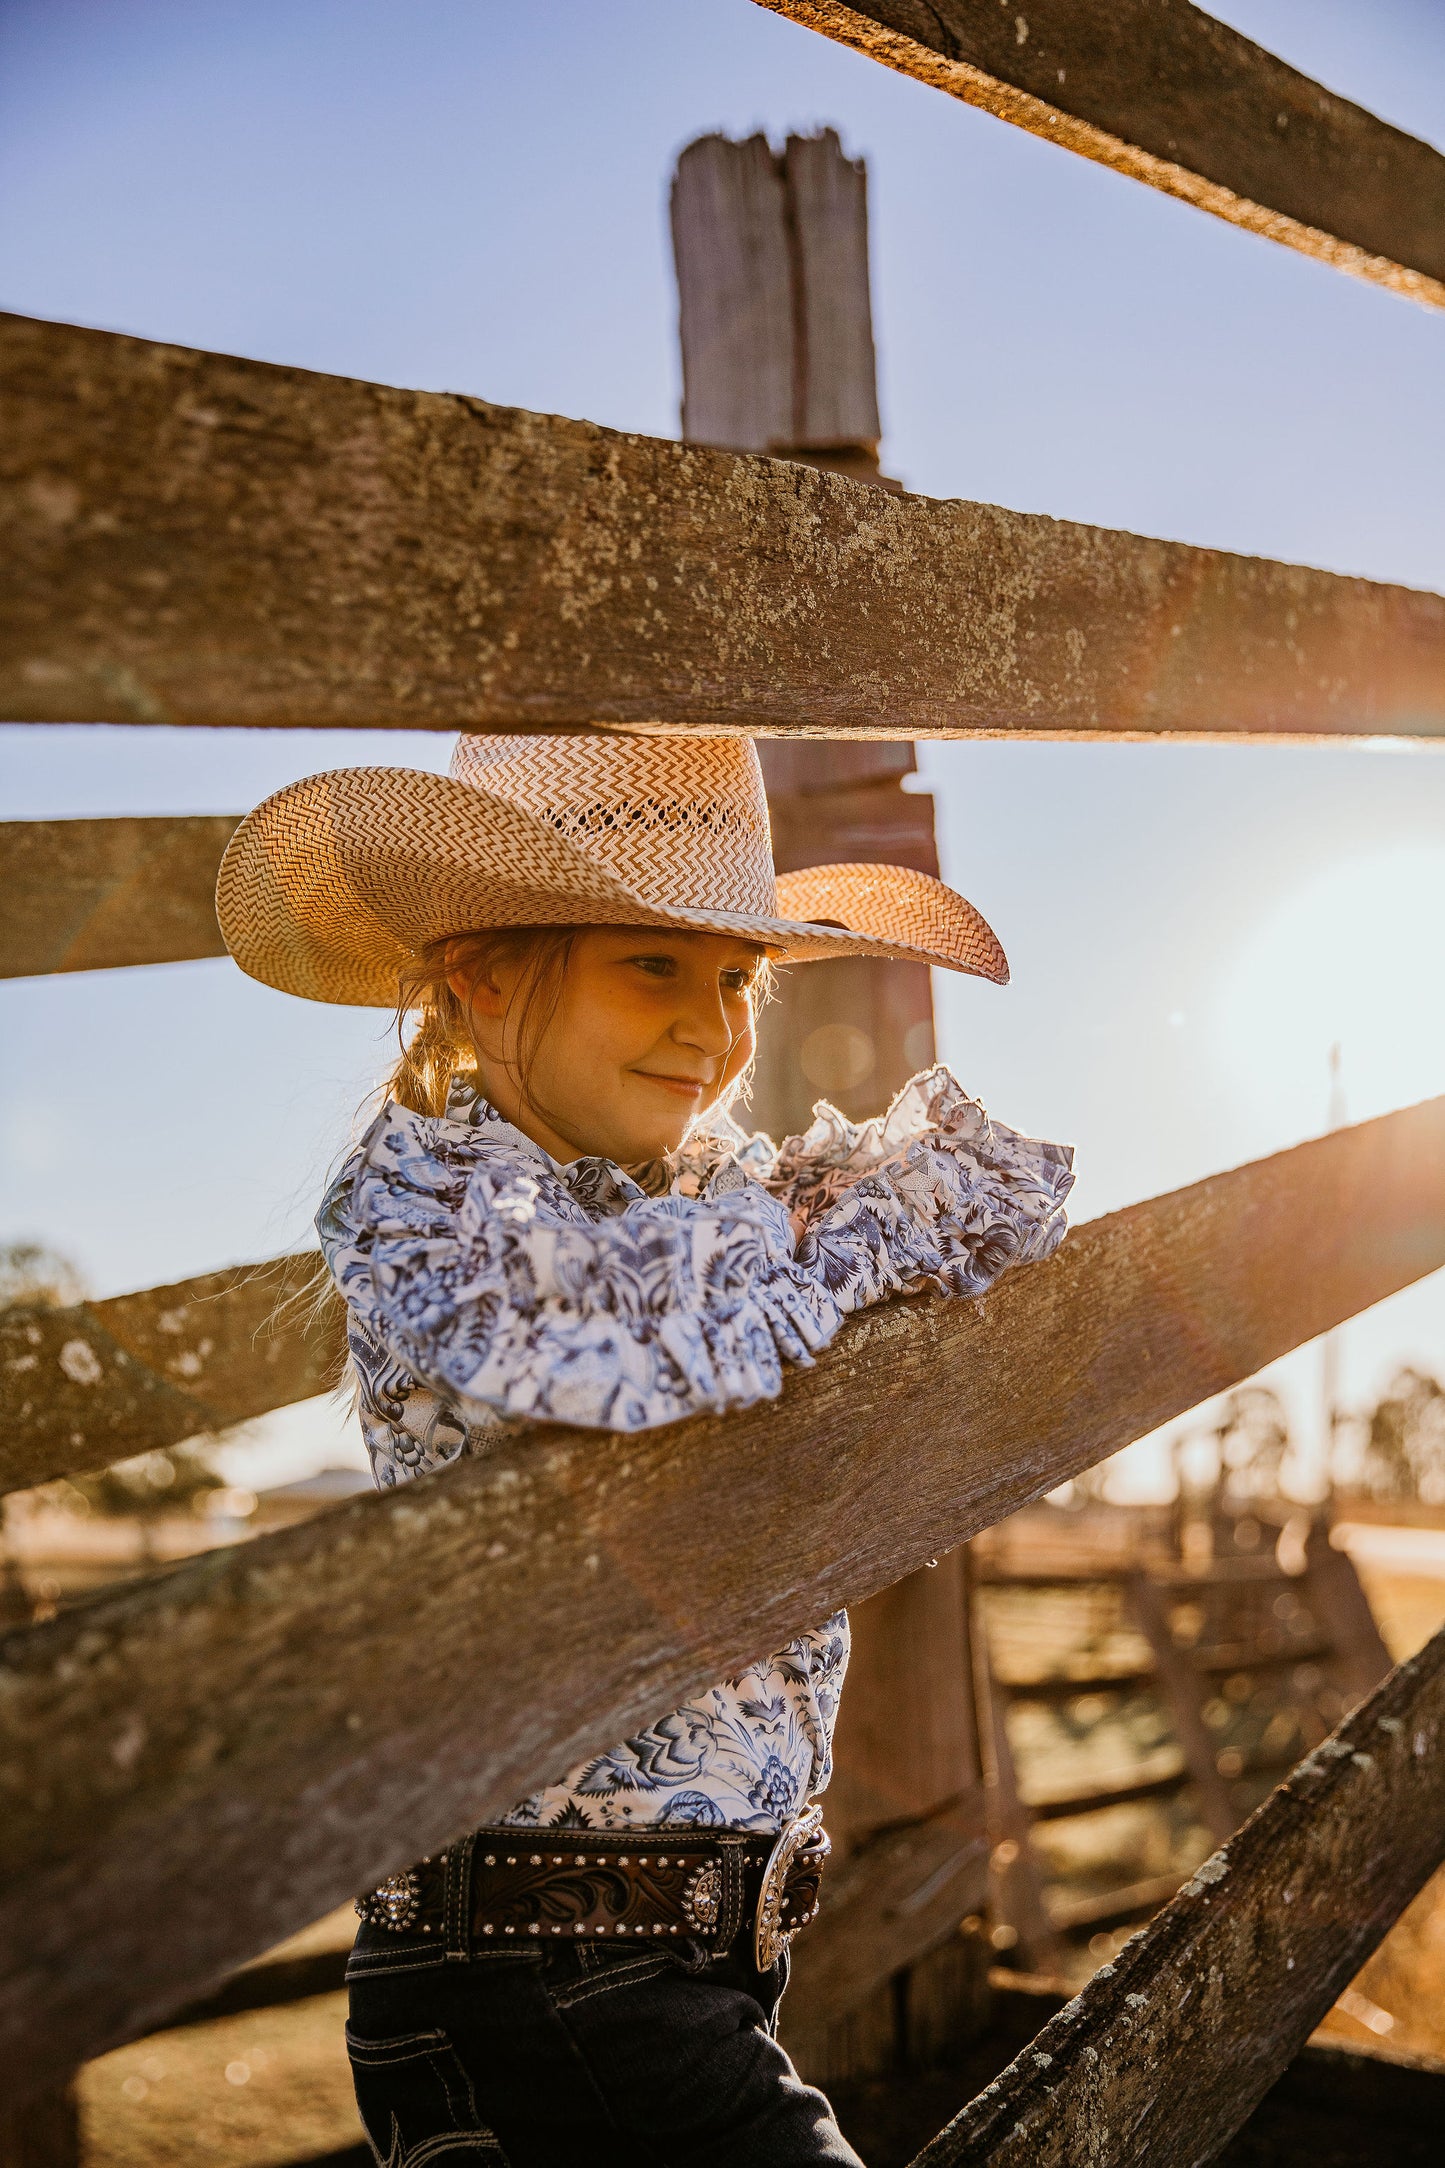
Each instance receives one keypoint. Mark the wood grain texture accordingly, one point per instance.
(835, 373)
(855, 1030)
(88, 895)
(86, 1386)
(771, 251)
(191, 538)
(886, 1906)
(291, 1719)
(735, 294)
(1163, 92)
(1168, 2049)
(906, 1746)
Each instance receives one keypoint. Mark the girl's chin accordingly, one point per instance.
(658, 1146)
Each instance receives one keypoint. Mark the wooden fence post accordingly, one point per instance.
(42, 2131)
(777, 347)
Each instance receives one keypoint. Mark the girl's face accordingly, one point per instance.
(649, 1029)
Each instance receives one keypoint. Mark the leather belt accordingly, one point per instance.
(530, 1883)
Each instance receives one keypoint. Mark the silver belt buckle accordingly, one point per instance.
(770, 1937)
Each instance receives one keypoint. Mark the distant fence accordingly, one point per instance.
(251, 1718)
(197, 539)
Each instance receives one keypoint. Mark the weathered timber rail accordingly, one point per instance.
(1167, 2050)
(88, 895)
(193, 538)
(86, 1386)
(1161, 91)
(293, 1718)
(902, 1894)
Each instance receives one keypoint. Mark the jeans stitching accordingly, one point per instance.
(440, 2056)
(395, 2048)
(436, 2048)
(485, 2142)
(636, 1969)
(360, 1968)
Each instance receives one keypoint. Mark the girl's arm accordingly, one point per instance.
(462, 1265)
(474, 1268)
(932, 1194)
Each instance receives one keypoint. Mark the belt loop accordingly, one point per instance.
(458, 1885)
(732, 1848)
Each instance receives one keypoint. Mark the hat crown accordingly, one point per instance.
(682, 820)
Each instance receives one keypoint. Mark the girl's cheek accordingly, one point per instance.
(740, 1056)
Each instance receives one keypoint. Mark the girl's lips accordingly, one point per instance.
(686, 1087)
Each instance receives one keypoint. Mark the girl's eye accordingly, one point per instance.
(657, 967)
(738, 982)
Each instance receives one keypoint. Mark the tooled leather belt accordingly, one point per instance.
(530, 1883)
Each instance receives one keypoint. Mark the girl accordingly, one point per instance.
(554, 1217)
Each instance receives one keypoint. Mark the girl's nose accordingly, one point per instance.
(704, 1023)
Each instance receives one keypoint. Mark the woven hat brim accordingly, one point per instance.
(332, 887)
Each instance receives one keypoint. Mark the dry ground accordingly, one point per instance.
(253, 2091)
(1398, 2000)
(271, 2087)
(259, 2090)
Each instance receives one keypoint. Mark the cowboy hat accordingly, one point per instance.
(332, 887)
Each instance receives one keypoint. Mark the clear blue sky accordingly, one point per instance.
(467, 195)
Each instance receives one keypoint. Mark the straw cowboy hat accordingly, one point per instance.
(332, 887)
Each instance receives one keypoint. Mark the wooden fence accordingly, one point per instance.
(189, 538)
(1159, 90)
(247, 1718)
(197, 539)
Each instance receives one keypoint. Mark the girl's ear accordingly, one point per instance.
(477, 991)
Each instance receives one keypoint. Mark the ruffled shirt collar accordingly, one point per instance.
(703, 1164)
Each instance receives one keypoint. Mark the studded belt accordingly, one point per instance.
(525, 1884)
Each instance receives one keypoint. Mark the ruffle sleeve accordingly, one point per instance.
(475, 1268)
(484, 1284)
(932, 1194)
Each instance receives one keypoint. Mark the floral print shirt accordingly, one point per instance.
(486, 1284)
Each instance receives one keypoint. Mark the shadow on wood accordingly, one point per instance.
(248, 1720)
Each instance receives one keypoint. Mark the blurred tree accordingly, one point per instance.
(1253, 1441)
(1405, 1453)
(31, 1273)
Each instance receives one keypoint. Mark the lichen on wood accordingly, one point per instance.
(1171, 2046)
(193, 538)
(84, 1386)
(291, 1719)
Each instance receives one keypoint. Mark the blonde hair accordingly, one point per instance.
(441, 1046)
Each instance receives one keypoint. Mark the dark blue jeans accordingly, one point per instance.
(577, 2057)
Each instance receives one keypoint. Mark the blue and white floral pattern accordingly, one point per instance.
(485, 1284)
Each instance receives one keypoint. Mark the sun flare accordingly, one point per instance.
(1354, 959)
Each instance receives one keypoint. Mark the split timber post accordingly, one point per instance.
(198, 539)
(777, 350)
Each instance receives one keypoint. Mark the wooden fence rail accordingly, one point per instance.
(1169, 2048)
(83, 1387)
(1159, 90)
(289, 1720)
(192, 538)
(87, 895)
